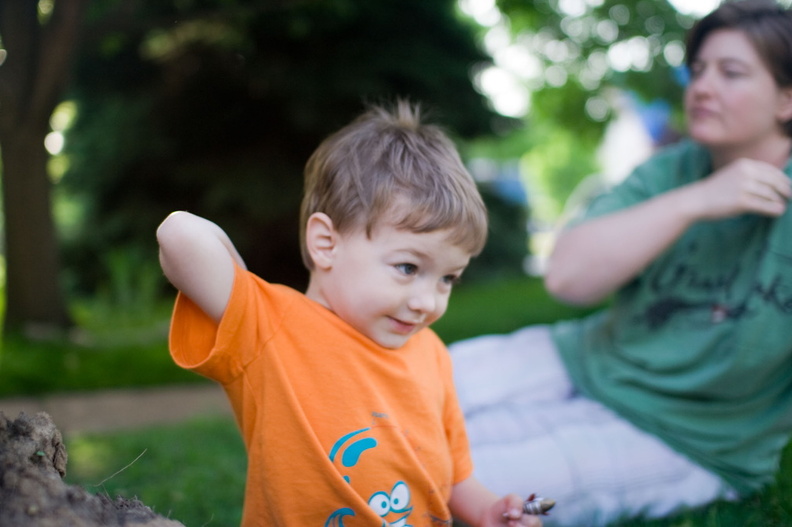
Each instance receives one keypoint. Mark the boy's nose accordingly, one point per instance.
(423, 300)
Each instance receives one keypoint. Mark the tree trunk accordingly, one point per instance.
(34, 300)
(32, 79)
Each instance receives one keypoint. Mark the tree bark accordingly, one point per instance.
(32, 80)
(34, 298)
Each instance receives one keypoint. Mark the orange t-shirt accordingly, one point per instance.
(338, 430)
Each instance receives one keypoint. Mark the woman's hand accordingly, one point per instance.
(743, 186)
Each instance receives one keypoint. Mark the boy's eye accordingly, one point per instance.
(451, 279)
(407, 268)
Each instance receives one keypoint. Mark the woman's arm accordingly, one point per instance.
(595, 258)
(198, 258)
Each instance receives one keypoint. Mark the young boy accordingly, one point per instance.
(343, 395)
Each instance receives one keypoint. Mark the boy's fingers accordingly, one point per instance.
(513, 504)
(513, 514)
(526, 521)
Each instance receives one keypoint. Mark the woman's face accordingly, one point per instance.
(732, 100)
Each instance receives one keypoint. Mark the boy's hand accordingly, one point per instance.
(509, 511)
(474, 505)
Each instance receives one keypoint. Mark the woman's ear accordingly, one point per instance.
(320, 239)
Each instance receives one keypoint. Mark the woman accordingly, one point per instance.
(679, 393)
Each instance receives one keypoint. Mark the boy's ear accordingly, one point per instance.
(785, 108)
(320, 239)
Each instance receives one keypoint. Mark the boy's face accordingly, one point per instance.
(391, 285)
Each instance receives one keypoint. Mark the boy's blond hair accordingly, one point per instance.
(388, 165)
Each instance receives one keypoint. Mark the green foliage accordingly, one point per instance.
(29, 367)
(119, 339)
(127, 306)
(2, 288)
(507, 242)
(579, 50)
(559, 161)
(215, 106)
(590, 31)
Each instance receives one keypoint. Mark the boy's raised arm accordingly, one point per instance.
(197, 258)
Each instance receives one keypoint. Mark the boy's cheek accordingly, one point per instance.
(440, 311)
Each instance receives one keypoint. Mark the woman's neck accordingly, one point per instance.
(776, 152)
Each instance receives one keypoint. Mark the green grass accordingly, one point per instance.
(194, 472)
(770, 508)
(500, 307)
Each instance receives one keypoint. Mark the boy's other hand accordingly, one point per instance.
(509, 511)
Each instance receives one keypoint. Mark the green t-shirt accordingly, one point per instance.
(697, 350)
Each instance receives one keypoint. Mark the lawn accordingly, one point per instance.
(194, 472)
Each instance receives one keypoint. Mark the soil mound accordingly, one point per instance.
(33, 494)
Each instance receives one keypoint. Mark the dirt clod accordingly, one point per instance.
(32, 491)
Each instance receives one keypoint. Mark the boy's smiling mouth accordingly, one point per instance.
(403, 327)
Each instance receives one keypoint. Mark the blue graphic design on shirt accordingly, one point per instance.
(393, 507)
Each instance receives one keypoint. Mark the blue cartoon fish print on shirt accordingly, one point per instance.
(392, 505)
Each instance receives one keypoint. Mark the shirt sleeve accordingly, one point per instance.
(221, 351)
